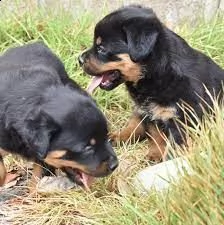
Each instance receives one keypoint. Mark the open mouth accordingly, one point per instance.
(79, 177)
(107, 80)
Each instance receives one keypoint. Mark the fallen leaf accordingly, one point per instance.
(19, 201)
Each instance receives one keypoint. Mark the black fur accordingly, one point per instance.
(172, 72)
(42, 110)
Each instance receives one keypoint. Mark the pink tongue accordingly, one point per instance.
(95, 82)
(86, 180)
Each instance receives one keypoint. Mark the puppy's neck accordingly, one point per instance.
(162, 90)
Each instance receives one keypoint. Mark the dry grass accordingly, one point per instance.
(198, 199)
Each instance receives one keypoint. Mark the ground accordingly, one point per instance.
(196, 200)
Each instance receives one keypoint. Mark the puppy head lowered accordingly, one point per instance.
(69, 132)
(123, 41)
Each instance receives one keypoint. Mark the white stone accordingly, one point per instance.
(160, 176)
(55, 184)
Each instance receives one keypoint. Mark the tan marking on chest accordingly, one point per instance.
(162, 113)
(158, 112)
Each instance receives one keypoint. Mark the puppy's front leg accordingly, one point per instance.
(157, 143)
(40, 169)
(36, 176)
(172, 130)
(133, 131)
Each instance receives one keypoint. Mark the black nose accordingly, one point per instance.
(81, 60)
(113, 164)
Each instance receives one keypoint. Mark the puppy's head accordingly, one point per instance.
(123, 43)
(70, 132)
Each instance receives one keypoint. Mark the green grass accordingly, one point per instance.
(196, 200)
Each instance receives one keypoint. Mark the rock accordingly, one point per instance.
(55, 184)
(160, 176)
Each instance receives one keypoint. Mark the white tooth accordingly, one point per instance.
(105, 82)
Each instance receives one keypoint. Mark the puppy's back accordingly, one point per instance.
(21, 62)
(30, 54)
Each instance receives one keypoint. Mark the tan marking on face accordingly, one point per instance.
(53, 159)
(130, 70)
(93, 141)
(60, 163)
(98, 40)
(56, 154)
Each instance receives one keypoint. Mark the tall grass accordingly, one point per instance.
(196, 200)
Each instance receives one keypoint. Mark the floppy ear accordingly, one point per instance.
(36, 133)
(141, 37)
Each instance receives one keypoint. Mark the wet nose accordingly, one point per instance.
(113, 164)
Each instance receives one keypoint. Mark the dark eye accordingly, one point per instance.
(101, 49)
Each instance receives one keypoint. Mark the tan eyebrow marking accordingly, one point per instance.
(92, 141)
(99, 40)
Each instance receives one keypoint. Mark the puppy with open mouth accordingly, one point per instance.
(47, 118)
(162, 74)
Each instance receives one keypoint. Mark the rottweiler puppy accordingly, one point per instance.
(47, 118)
(161, 72)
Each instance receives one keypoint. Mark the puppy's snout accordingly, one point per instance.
(81, 60)
(112, 163)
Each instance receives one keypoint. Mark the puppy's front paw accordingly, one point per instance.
(119, 136)
(156, 153)
(114, 137)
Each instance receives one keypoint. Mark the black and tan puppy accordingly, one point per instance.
(47, 118)
(160, 70)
